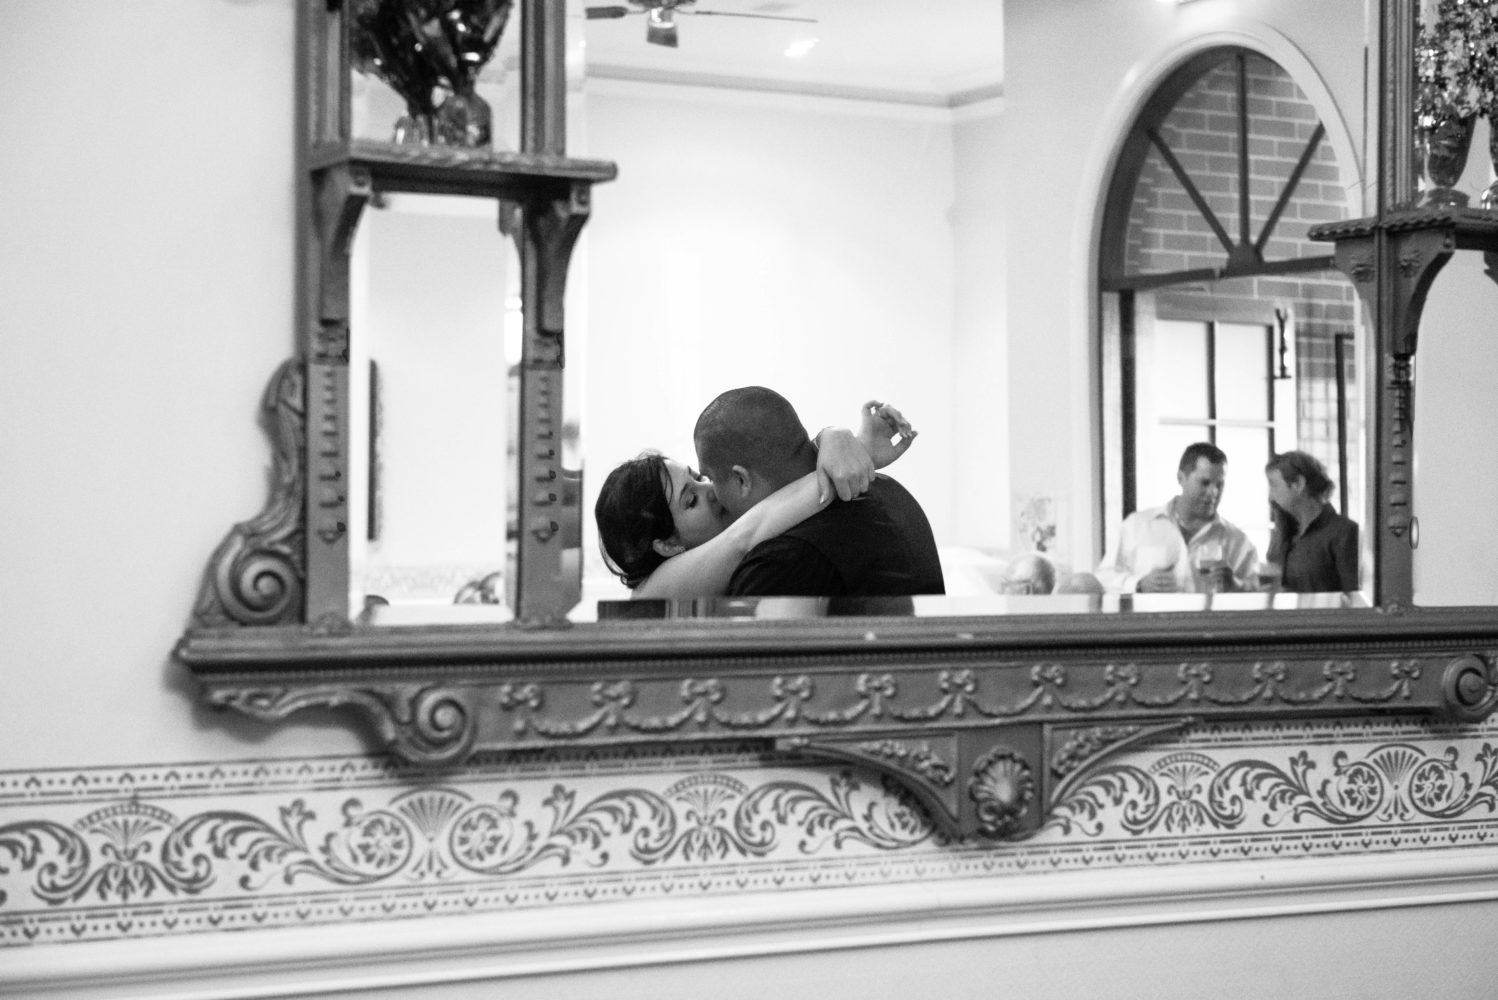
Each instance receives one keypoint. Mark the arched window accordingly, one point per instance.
(1222, 322)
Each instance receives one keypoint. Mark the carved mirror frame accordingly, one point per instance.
(986, 720)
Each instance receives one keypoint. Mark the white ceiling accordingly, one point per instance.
(922, 51)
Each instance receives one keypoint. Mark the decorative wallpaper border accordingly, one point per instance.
(181, 848)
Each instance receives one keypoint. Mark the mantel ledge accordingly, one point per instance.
(987, 722)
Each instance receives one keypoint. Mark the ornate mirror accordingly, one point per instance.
(987, 707)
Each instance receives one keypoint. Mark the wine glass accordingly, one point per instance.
(1206, 559)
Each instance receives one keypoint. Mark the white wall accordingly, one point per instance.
(806, 245)
(980, 358)
(146, 270)
(1346, 956)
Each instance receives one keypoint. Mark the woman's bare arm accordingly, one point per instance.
(845, 467)
(704, 571)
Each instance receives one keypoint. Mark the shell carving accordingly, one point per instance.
(1002, 787)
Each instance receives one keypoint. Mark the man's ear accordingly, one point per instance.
(741, 480)
(668, 547)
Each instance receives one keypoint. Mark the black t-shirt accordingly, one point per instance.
(879, 544)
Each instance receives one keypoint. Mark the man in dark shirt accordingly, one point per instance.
(750, 442)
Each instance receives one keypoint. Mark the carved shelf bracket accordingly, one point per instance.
(341, 193)
(549, 511)
(995, 782)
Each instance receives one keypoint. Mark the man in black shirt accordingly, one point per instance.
(750, 442)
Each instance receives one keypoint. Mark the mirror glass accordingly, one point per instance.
(435, 382)
(816, 207)
(1456, 500)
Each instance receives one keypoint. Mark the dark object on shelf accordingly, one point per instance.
(430, 52)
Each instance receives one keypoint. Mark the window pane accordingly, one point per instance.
(1245, 499)
(1160, 450)
(1242, 371)
(1167, 232)
(1180, 369)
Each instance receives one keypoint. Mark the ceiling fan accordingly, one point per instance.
(660, 16)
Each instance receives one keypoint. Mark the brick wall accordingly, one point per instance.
(1167, 233)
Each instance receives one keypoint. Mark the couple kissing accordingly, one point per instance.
(772, 512)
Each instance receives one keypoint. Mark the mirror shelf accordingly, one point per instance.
(478, 173)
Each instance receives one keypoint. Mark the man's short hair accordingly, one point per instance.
(1213, 454)
(754, 427)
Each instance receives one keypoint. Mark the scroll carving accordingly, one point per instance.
(917, 757)
(1087, 744)
(421, 723)
(255, 576)
(1470, 684)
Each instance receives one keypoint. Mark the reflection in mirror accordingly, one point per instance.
(776, 223)
(380, 113)
(1273, 348)
(840, 237)
(437, 320)
(1222, 321)
(435, 302)
(1456, 561)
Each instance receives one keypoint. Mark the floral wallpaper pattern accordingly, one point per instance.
(109, 853)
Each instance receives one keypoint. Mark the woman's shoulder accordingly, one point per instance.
(1340, 521)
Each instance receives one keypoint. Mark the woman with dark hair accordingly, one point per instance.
(1316, 546)
(664, 533)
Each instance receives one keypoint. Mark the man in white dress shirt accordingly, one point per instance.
(1183, 546)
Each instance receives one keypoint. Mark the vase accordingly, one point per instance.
(1442, 146)
(464, 120)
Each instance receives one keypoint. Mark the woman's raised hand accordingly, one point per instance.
(880, 425)
(846, 462)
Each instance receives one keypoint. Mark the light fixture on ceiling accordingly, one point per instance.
(799, 47)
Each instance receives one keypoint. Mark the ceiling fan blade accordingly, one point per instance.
(660, 28)
(761, 17)
(595, 13)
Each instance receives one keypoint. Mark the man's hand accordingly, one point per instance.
(843, 464)
(1222, 579)
(1161, 581)
(880, 424)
